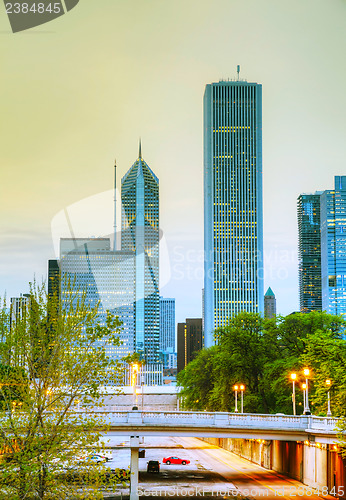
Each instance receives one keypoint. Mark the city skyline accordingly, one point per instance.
(65, 123)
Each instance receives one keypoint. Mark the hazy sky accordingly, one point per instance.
(81, 90)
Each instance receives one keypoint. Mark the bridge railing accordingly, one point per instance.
(216, 419)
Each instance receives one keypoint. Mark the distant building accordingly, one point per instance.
(233, 220)
(167, 324)
(322, 249)
(333, 248)
(18, 309)
(203, 310)
(53, 278)
(169, 360)
(309, 252)
(269, 304)
(87, 265)
(167, 332)
(190, 341)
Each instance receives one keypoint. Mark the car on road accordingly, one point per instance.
(94, 458)
(175, 460)
(153, 466)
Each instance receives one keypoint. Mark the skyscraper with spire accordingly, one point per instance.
(140, 234)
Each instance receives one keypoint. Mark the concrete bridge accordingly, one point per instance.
(220, 424)
(214, 424)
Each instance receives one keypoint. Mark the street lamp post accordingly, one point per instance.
(307, 409)
(242, 389)
(293, 378)
(134, 383)
(235, 398)
(304, 396)
(328, 384)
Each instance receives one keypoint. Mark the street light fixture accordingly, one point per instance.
(293, 378)
(304, 396)
(134, 383)
(328, 384)
(306, 372)
(242, 389)
(236, 388)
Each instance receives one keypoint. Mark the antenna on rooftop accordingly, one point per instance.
(238, 71)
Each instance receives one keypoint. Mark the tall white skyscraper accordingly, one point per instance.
(233, 220)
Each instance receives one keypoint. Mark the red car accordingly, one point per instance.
(175, 460)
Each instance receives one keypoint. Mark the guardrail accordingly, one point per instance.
(216, 419)
(199, 420)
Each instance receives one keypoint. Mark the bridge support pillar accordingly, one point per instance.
(134, 445)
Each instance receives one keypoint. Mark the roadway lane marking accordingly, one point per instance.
(256, 466)
(248, 475)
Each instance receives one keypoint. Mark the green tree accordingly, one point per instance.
(326, 354)
(55, 359)
(261, 354)
(246, 349)
(197, 381)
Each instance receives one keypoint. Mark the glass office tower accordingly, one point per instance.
(140, 234)
(167, 324)
(88, 266)
(309, 252)
(233, 227)
(333, 247)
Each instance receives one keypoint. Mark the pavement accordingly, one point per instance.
(197, 478)
(212, 473)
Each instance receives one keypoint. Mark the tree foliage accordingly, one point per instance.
(261, 354)
(53, 360)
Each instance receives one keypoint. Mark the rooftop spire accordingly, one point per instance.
(115, 207)
(269, 293)
(140, 148)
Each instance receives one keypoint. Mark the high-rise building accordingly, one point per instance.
(233, 226)
(53, 278)
(322, 249)
(190, 341)
(309, 252)
(18, 309)
(333, 247)
(107, 278)
(167, 324)
(140, 234)
(125, 282)
(269, 304)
